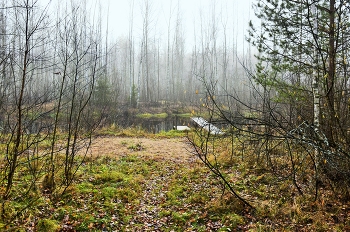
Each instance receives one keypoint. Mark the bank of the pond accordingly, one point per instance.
(155, 123)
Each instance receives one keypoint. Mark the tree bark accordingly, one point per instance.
(331, 74)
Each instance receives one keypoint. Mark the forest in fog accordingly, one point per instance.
(271, 151)
(63, 45)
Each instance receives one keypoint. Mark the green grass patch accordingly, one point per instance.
(171, 134)
(144, 115)
(160, 115)
(148, 115)
(115, 130)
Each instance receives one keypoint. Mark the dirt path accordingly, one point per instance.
(172, 155)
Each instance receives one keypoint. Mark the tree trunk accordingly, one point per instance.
(331, 75)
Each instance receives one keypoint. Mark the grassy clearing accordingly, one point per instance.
(126, 193)
(137, 191)
(115, 130)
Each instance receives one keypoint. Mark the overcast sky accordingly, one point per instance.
(234, 15)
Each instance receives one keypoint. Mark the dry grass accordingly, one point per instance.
(154, 148)
(145, 183)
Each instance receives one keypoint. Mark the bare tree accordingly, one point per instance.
(80, 56)
(23, 107)
(51, 72)
(262, 123)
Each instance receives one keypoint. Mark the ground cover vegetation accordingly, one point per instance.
(281, 163)
(155, 182)
(296, 117)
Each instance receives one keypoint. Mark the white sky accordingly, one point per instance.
(236, 14)
(194, 13)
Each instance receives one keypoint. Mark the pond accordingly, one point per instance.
(154, 124)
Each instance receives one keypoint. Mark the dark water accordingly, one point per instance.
(155, 125)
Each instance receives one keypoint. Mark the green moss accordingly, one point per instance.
(198, 198)
(164, 213)
(128, 195)
(180, 218)
(112, 176)
(233, 220)
(47, 225)
(108, 192)
(85, 187)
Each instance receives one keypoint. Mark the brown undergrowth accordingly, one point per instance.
(156, 184)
